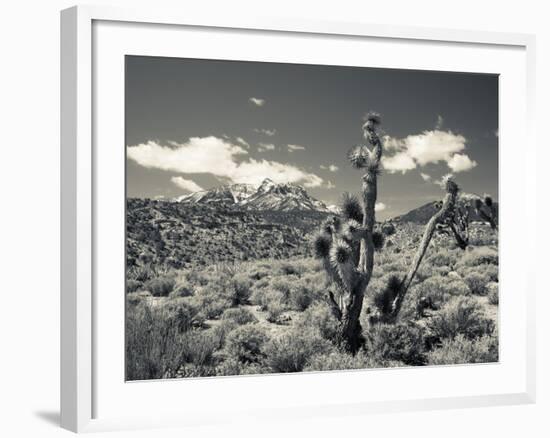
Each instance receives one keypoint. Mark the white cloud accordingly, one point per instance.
(380, 206)
(428, 147)
(242, 141)
(215, 156)
(439, 123)
(257, 101)
(262, 147)
(295, 147)
(186, 184)
(268, 132)
(330, 185)
(400, 162)
(331, 167)
(425, 176)
(461, 163)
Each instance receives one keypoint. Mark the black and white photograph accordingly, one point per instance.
(285, 218)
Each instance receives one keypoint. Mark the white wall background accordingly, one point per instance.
(29, 215)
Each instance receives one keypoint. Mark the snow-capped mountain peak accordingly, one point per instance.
(267, 196)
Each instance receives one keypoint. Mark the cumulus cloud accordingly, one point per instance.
(268, 132)
(220, 158)
(295, 147)
(331, 167)
(330, 185)
(186, 184)
(262, 147)
(429, 147)
(425, 176)
(461, 163)
(257, 101)
(380, 206)
(400, 162)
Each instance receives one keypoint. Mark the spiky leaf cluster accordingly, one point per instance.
(378, 240)
(331, 225)
(321, 245)
(351, 207)
(372, 121)
(340, 253)
(352, 230)
(359, 156)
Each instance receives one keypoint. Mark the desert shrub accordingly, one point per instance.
(290, 352)
(436, 290)
(269, 300)
(461, 315)
(461, 350)
(300, 298)
(291, 268)
(141, 273)
(197, 277)
(401, 342)
(153, 343)
(198, 347)
(239, 315)
(239, 287)
(134, 298)
(476, 282)
(211, 301)
(160, 286)
(133, 285)
(490, 271)
(319, 317)
(182, 288)
(443, 257)
(234, 367)
(183, 312)
(492, 294)
(480, 256)
(220, 331)
(283, 285)
(426, 271)
(259, 273)
(338, 360)
(274, 312)
(382, 298)
(246, 343)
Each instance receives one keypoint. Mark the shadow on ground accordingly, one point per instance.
(51, 417)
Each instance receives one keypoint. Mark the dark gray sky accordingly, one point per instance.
(200, 123)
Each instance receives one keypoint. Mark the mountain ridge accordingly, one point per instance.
(267, 196)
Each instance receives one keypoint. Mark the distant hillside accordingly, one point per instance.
(186, 234)
(422, 215)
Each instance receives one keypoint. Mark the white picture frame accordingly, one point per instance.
(81, 375)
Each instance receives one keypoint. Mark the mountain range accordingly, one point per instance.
(291, 197)
(267, 196)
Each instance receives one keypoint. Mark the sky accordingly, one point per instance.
(195, 124)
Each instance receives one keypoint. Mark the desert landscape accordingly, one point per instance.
(218, 287)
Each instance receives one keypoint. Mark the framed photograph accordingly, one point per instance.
(277, 218)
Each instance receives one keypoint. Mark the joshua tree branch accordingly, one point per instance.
(447, 209)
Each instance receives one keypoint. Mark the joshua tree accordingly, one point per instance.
(346, 245)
